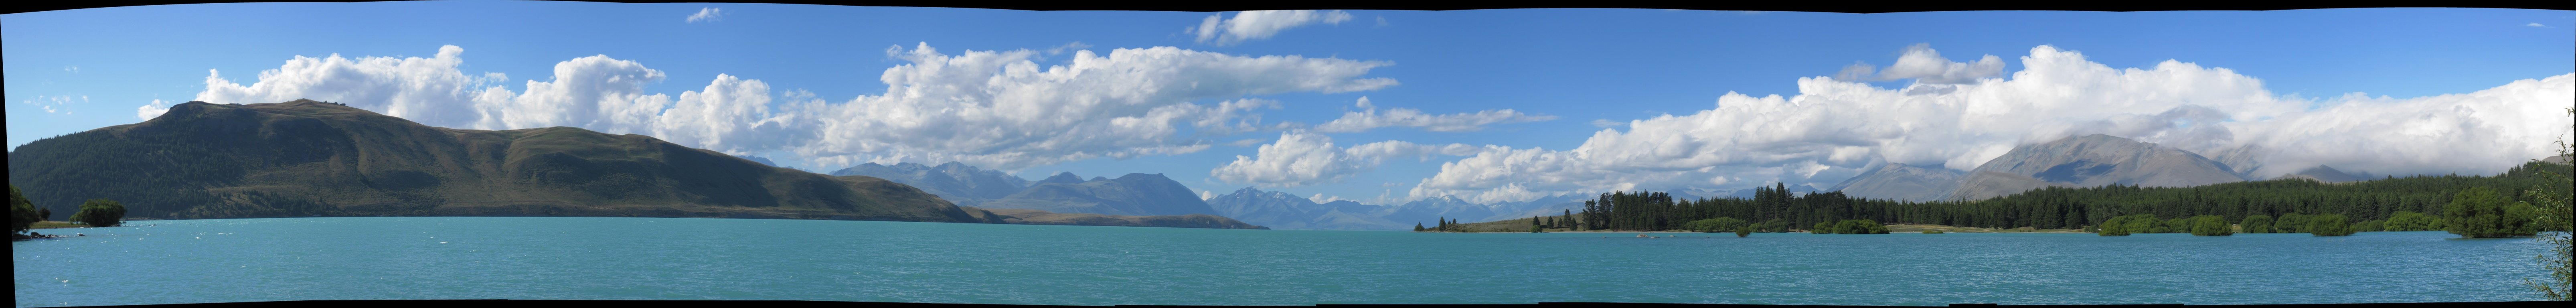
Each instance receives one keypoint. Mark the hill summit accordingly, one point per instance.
(307, 158)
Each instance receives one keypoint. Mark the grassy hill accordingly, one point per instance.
(306, 158)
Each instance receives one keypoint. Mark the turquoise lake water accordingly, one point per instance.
(236, 260)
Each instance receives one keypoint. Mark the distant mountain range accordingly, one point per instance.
(306, 158)
(2080, 161)
(1132, 194)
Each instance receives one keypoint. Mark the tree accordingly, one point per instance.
(1535, 229)
(2211, 225)
(2291, 223)
(22, 214)
(2329, 225)
(2551, 199)
(100, 213)
(2411, 221)
(1822, 228)
(2257, 224)
(2117, 226)
(2479, 212)
(1744, 231)
(1417, 227)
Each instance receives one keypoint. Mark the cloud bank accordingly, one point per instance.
(1833, 128)
(1302, 159)
(995, 109)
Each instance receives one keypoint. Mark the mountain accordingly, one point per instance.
(2241, 160)
(1037, 217)
(1061, 177)
(2324, 174)
(1286, 211)
(1901, 182)
(764, 161)
(952, 181)
(307, 158)
(1132, 194)
(2091, 161)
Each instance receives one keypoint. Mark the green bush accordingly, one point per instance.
(2411, 221)
(2211, 225)
(2479, 212)
(2117, 226)
(1822, 228)
(1933, 232)
(2257, 224)
(2329, 225)
(2369, 226)
(100, 213)
(2291, 223)
(22, 214)
(1850, 226)
(1743, 231)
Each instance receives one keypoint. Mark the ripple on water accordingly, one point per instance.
(228, 260)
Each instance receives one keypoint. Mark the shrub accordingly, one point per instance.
(2479, 212)
(1933, 232)
(1744, 231)
(2257, 224)
(2329, 225)
(100, 213)
(21, 213)
(2211, 225)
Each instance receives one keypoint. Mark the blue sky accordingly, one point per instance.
(1572, 80)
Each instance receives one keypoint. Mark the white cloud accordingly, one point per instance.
(1607, 123)
(707, 15)
(76, 69)
(999, 110)
(426, 90)
(1834, 127)
(1301, 159)
(1924, 65)
(154, 109)
(1256, 25)
(1059, 49)
(2535, 25)
(49, 102)
(995, 109)
(1357, 121)
(1248, 142)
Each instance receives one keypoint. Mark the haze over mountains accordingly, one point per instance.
(307, 158)
(2078, 161)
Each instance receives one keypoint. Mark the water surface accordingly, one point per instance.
(236, 260)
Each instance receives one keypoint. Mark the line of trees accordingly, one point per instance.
(24, 214)
(2275, 206)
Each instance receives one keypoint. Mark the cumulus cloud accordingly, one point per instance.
(1369, 118)
(1301, 158)
(1833, 128)
(707, 15)
(1256, 25)
(154, 109)
(1924, 65)
(995, 109)
(426, 90)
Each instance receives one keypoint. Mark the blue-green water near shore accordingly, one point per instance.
(234, 260)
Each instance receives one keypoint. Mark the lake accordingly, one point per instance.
(346, 258)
